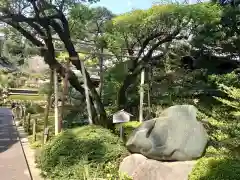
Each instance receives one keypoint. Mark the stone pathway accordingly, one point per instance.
(30, 154)
(13, 164)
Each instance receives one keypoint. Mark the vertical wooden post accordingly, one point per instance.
(141, 96)
(28, 123)
(56, 102)
(34, 129)
(101, 73)
(149, 80)
(65, 91)
(121, 130)
(83, 70)
(86, 93)
(49, 102)
(45, 137)
(24, 117)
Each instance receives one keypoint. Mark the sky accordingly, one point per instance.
(122, 6)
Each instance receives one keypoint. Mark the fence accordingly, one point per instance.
(29, 124)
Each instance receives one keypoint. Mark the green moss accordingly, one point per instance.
(67, 155)
(128, 127)
(220, 168)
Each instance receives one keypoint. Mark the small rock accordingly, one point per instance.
(130, 163)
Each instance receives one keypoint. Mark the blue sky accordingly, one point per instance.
(122, 6)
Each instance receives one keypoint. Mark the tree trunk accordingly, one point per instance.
(149, 80)
(65, 91)
(141, 96)
(57, 123)
(102, 117)
(75, 60)
(101, 73)
(129, 79)
(50, 92)
(72, 78)
(86, 93)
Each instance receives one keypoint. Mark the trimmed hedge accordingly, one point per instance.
(75, 151)
(216, 168)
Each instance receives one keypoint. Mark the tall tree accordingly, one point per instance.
(220, 37)
(147, 35)
(87, 24)
(38, 21)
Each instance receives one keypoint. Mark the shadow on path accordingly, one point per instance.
(13, 164)
(8, 133)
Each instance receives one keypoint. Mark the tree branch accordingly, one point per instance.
(21, 18)
(64, 35)
(24, 32)
(146, 42)
(62, 5)
(129, 79)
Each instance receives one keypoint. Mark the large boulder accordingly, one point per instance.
(139, 167)
(175, 135)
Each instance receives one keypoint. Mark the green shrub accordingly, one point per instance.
(128, 127)
(34, 108)
(67, 155)
(220, 168)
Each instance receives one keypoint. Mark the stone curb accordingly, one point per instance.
(29, 154)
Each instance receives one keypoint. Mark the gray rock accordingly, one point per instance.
(175, 135)
(140, 168)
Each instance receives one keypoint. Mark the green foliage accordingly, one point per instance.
(86, 21)
(220, 168)
(221, 160)
(34, 108)
(134, 28)
(128, 127)
(229, 79)
(40, 128)
(67, 155)
(45, 88)
(234, 94)
(113, 79)
(75, 117)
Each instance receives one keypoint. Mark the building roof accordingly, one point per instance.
(123, 112)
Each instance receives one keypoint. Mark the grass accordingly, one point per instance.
(29, 97)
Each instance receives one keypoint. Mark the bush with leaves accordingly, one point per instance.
(222, 158)
(127, 127)
(67, 155)
(221, 168)
(34, 108)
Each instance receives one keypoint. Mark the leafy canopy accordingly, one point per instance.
(135, 29)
